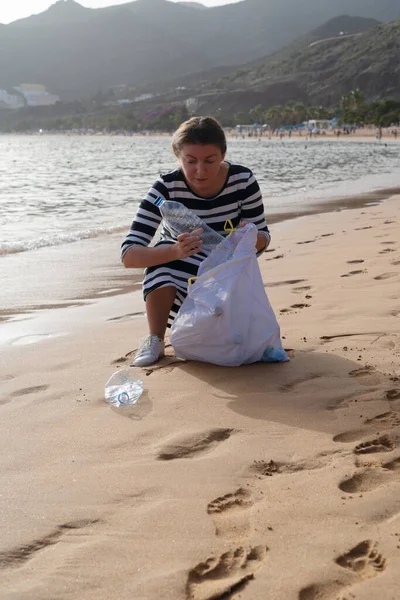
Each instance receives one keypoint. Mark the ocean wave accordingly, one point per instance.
(7, 248)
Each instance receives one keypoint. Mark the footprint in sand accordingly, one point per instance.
(327, 234)
(276, 257)
(226, 574)
(387, 243)
(393, 395)
(230, 514)
(294, 307)
(366, 375)
(364, 560)
(7, 377)
(127, 317)
(381, 444)
(186, 446)
(166, 365)
(124, 359)
(307, 242)
(357, 261)
(288, 282)
(383, 421)
(265, 468)
(372, 477)
(18, 556)
(362, 371)
(358, 272)
(324, 591)
(385, 276)
(239, 499)
(362, 228)
(29, 390)
(396, 263)
(387, 250)
(304, 288)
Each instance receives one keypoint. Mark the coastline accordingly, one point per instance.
(360, 135)
(282, 477)
(84, 272)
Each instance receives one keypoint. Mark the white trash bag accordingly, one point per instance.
(226, 318)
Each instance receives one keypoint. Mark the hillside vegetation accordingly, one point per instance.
(314, 72)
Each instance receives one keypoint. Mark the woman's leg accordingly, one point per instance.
(158, 305)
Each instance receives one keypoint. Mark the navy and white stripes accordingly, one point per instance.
(239, 200)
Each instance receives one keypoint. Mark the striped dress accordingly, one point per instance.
(239, 200)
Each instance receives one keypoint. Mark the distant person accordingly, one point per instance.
(395, 134)
(217, 191)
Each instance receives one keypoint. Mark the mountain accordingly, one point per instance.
(75, 51)
(64, 11)
(313, 70)
(194, 5)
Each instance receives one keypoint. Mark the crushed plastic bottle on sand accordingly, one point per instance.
(123, 388)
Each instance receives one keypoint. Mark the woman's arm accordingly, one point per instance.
(262, 241)
(140, 257)
(253, 212)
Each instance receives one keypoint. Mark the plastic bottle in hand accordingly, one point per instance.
(182, 220)
(123, 388)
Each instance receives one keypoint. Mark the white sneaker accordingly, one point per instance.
(150, 351)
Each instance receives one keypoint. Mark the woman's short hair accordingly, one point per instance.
(199, 130)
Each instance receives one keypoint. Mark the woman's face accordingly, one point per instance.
(201, 166)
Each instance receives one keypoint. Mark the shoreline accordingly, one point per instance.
(368, 134)
(232, 468)
(112, 278)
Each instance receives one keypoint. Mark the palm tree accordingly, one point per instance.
(274, 116)
(239, 118)
(358, 99)
(257, 114)
(299, 112)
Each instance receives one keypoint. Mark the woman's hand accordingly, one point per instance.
(188, 244)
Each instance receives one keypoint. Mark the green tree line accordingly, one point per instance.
(353, 110)
(95, 116)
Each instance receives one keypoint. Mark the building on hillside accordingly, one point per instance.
(321, 124)
(143, 97)
(10, 100)
(36, 94)
(192, 104)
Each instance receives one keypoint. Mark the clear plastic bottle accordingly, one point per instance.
(182, 220)
(123, 388)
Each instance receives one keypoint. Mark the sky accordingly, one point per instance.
(11, 10)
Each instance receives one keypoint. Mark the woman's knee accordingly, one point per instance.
(166, 292)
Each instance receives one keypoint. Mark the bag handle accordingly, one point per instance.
(229, 227)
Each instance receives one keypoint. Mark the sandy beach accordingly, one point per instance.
(265, 482)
